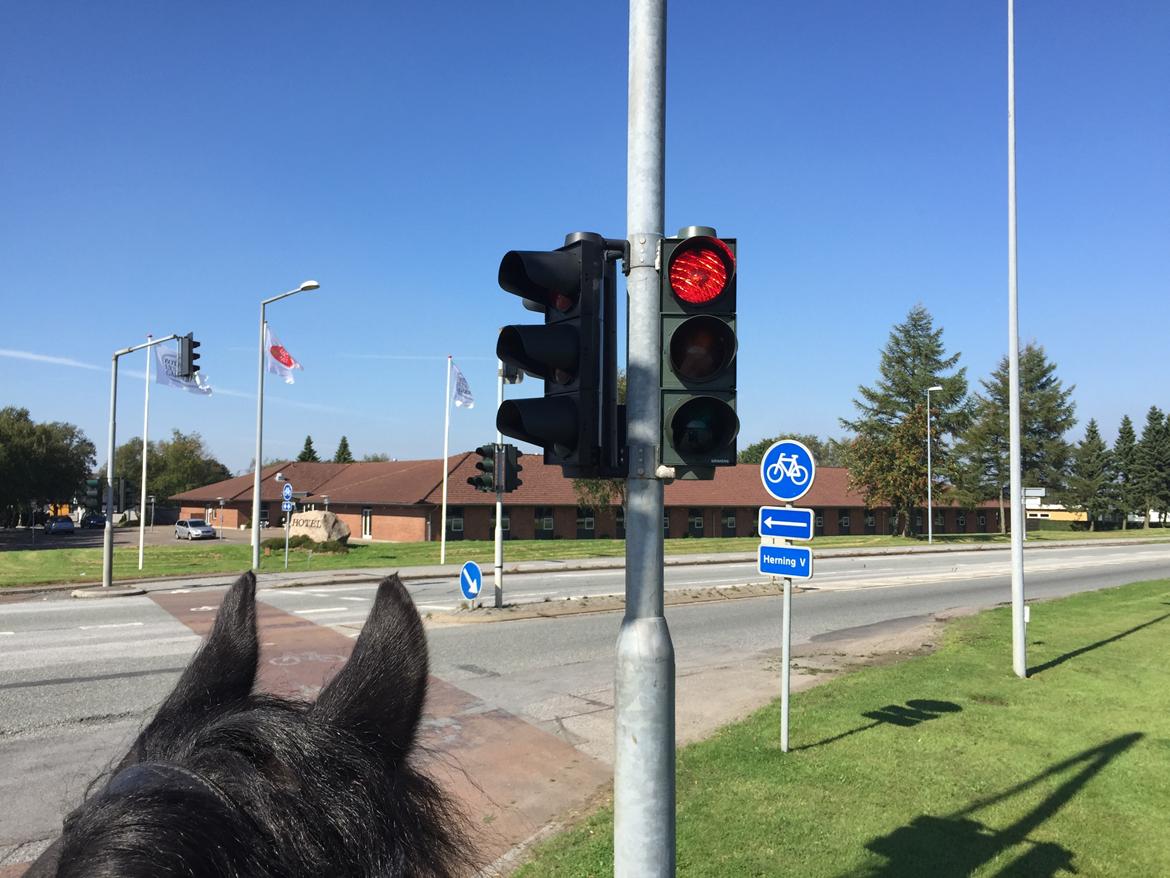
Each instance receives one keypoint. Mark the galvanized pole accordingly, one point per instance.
(644, 794)
(145, 438)
(929, 487)
(1019, 631)
(108, 535)
(500, 467)
(446, 437)
(259, 444)
(786, 658)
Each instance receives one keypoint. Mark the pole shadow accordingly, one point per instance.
(956, 845)
(1059, 660)
(914, 712)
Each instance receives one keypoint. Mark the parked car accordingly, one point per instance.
(59, 524)
(193, 529)
(94, 519)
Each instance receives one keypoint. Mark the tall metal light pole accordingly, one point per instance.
(1019, 658)
(644, 791)
(929, 480)
(307, 285)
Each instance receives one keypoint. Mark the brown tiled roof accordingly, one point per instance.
(415, 482)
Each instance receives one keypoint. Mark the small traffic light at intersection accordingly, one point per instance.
(512, 468)
(187, 356)
(487, 466)
(699, 344)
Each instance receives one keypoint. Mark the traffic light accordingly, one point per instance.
(187, 356)
(486, 480)
(573, 352)
(699, 422)
(93, 494)
(512, 468)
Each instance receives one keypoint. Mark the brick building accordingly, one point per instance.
(401, 501)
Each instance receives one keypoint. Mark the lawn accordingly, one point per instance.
(27, 567)
(943, 765)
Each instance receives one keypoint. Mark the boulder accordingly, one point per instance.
(320, 526)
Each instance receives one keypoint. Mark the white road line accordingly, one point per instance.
(435, 606)
(180, 591)
(321, 610)
(203, 609)
(6, 633)
(344, 598)
(112, 625)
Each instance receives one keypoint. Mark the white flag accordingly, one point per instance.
(166, 371)
(278, 360)
(462, 389)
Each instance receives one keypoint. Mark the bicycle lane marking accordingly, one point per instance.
(502, 769)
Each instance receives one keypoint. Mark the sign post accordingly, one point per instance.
(286, 506)
(787, 471)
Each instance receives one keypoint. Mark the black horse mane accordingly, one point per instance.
(227, 782)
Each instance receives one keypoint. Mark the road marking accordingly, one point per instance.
(321, 610)
(435, 606)
(6, 633)
(344, 598)
(112, 625)
(203, 609)
(180, 591)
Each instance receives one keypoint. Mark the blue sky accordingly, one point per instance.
(164, 167)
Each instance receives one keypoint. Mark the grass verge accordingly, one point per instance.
(944, 765)
(28, 567)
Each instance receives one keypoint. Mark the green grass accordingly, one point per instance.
(1016, 777)
(27, 567)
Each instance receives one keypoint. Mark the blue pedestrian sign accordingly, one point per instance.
(792, 561)
(786, 522)
(470, 580)
(287, 491)
(787, 470)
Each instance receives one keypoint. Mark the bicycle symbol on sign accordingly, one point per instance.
(788, 467)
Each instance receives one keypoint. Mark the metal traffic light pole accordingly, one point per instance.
(108, 536)
(498, 568)
(644, 793)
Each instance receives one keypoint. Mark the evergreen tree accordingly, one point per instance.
(887, 457)
(1090, 484)
(1046, 414)
(342, 454)
(1152, 466)
(308, 453)
(1124, 462)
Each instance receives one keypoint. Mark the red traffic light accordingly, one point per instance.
(700, 270)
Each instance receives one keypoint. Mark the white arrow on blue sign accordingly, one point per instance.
(786, 522)
(787, 470)
(793, 561)
(287, 505)
(287, 491)
(470, 580)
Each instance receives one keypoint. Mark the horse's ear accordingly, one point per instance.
(379, 694)
(221, 672)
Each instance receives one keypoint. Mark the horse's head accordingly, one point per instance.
(226, 782)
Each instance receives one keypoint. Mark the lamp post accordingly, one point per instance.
(151, 499)
(325, 500)
(307, 285)
(929, 483)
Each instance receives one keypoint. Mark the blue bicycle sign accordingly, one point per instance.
(787, 470)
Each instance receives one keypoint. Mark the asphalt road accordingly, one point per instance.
(78, 678)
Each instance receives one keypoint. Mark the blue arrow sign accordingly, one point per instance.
(793, 561)
(786, 522)
(287, 491)
(470, 580)
(787, 470)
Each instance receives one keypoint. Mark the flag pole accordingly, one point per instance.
(446, 437)
(145, 434)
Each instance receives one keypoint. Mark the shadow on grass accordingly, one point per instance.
(956, 845)
(1059, 660)
(915, 711)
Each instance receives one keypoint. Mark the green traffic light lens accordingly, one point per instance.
(702, 348)
(702, 425)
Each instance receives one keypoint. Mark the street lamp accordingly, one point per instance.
(929, 504)
(304, 287)
(151, 499)
(325, 500)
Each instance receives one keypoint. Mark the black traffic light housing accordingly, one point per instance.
(488, 466)
(574, 352)
(512, 468)
(699, 346)
(187, 366)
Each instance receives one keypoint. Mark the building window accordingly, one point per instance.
(695, 522)
(454, 522)
(367, 522)
(982, 521)
(585, 523)
(666, 523)
(940, 522)
(917, 522)
(728, 517)
(545, 524)
(819, 524)
(843, 521)
(961, 522)
(505, 525)
(870, 522)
